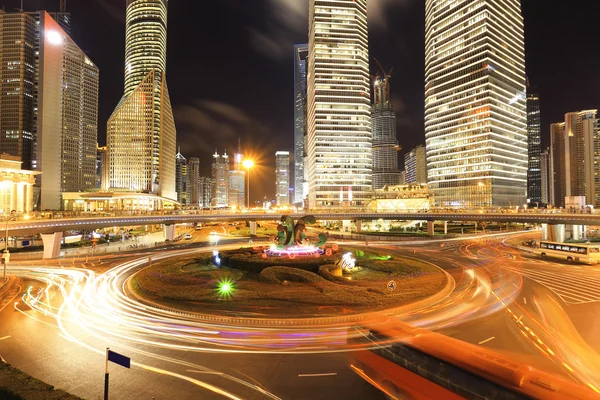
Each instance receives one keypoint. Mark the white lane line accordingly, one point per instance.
(487, 340)
(5, 337)
(312, 375)
(524, 300)
(515, 285)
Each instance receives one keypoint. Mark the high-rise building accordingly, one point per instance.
(194, 173)
(220, 180)
(205, 191)
(282, 178)
(475, 106)
(545, 174)
(101, 170)
(237, 182)
(300, 56)
(534, 143)
(339, 141)
(182, 179)
(18, 80)
(575, 158)
(385, 144)
(141, 133)
(415, 165)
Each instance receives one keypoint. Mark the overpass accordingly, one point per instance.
(52, 229)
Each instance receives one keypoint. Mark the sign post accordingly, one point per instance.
(117, 359)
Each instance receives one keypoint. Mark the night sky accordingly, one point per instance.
(230, 66)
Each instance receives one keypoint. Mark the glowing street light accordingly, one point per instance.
(225, 288)
(248, 164)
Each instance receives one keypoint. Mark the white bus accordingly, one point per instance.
(578, 252)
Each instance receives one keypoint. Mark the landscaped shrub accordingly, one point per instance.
(281, 274)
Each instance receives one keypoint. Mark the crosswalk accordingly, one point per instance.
(572, 286)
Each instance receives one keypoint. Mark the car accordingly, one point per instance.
(529, 243)
(212, 233)
(188, 236)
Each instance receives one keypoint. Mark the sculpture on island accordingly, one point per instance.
(290, 235)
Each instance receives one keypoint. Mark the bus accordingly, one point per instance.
(413, 363)
(572, 252)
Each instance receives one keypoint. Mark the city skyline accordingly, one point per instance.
(395, 38)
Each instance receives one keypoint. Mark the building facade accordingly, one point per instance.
(237, 182)
(415, 166)
(67, 116)
(475, 105)
(141, 135)
(194, 173)
(182, 179)
(101, 167)
(205, 192)
(545, 174)
(16, 185)
(220, 181)
(534, 143)
(575, 160)
(300, 91)
(339, 140)
(385, 144)
(282, 178)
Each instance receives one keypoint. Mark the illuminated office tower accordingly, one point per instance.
(415, 165)
(339, 141)
(141, 133)
(220, 180)
(534, 142)
(282, 178)
(300, 55)
(237, 181)
(475, 106)
(182, 179)
(545, 176)
(205, 187)
(194, 173)
(385, 144)
(574, 157)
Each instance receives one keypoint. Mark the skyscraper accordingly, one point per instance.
(475, 106)
(385, 144)
(141, 132)
(300, 56)
(282, 178)
(534, 141)
(545, 173)
(339, 141)
(194, 173)
(182, 178)
(206, 193)
(415, 165)
(574, 158)
(101, 171)
(237, 181)
(220, 180)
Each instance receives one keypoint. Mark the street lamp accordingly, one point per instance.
(248, 164)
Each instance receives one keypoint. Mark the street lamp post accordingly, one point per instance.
(248, 164)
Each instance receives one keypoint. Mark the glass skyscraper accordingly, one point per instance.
(141, 136)
(339, 141)
(385, 144)
(475, 106)
(534, 141)
(282, 177)
(300, 56)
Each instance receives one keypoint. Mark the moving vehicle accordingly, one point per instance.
(529, 243)
(573, 252)
(187, 236)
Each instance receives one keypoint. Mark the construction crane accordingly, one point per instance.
(63, 6)
(386, 75)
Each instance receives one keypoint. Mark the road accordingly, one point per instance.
(498, 296)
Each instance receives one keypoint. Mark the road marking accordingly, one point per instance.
(520, 318)
(524, 300)
(487, 340)
(311, 375)
(5, 337)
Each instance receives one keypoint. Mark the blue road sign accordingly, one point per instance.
(119, 359)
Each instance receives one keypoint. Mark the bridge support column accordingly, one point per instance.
(445, 227)
(358, 226)
(577, 231)
(431, 228)
(554, 233)
(169, 231)
(252, 227)
(52, 243)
